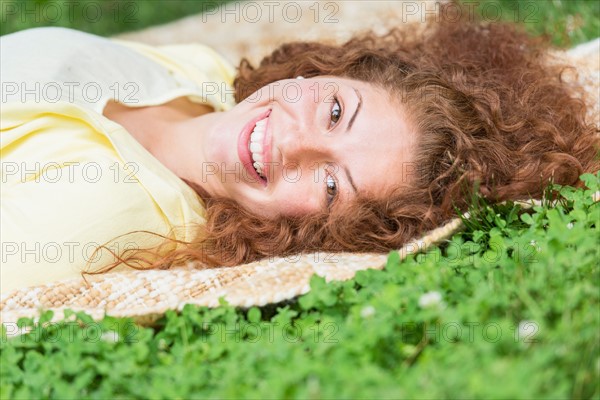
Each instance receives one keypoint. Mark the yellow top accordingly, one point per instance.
(73, 179)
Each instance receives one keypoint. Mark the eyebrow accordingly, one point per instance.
(355, 111)
(359, 105)
(350, 180)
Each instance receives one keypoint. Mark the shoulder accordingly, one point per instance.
(31, 44)
(48, 34)
(43, 49)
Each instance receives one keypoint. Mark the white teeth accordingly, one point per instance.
(258, 134)
(256, 145)
(259, 168)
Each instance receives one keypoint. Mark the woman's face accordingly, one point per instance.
(299, 146)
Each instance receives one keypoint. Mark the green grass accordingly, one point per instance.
(507, 309)
(567, 22)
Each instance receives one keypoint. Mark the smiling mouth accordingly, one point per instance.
(254, 148)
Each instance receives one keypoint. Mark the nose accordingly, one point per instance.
(305, 147)
(303, 140)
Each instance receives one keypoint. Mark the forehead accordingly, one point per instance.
(378, 150)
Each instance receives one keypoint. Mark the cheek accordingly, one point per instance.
(260, 96)
(295, 199)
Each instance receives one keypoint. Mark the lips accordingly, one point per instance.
(244, 150)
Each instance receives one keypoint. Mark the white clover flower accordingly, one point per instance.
(570, 225)
(110, 336)
(430, 299)
(570, 24)
(367, 311)
(527, 330)
(162, 344)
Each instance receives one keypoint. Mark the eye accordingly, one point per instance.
(336, 112)
(331, 189)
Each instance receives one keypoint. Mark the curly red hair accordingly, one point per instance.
(491, 112)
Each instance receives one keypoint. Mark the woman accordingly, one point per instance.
(356, 147)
